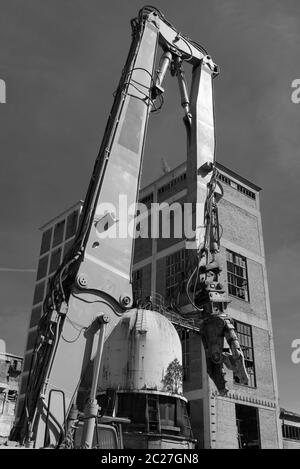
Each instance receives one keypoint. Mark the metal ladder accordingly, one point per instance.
(152, 407)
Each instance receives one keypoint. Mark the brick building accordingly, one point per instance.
(10, 373)
(249, 416)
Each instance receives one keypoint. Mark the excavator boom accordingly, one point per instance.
(91, 290)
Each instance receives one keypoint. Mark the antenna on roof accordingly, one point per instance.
(164, 165)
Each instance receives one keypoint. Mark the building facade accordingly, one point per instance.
(57, 237)
(248, 417)
(290, 424)
(10, 373)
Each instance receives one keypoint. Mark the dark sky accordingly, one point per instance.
(62, 60)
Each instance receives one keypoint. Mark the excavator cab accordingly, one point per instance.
(108, 433)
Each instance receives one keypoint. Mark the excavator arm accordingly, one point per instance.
(92, 288)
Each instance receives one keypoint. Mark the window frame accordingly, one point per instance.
(249, 347)
(290, 432)
(137, 280)
(236, 276)
(186, 353)
(175, 270)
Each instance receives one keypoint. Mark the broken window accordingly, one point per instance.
(237, 275)
(244, 335)
(175, 275)
(247, 422)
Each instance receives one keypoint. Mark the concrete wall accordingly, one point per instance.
(226, 429)
(268, 434)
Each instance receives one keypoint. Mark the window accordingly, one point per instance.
(46, 241)
(245, 191)
(39, 293)
(147, 200)
(237, 275)
(67, 246)
(185, 344)
(175, 275)
(247, 422)
(35, 316)
(58, 233)
(133, 407)
(31, 339)
(172, 183)
(154, 413)
(49, 284)
(12, 395)
(72, 221)
(167, 411)
(290, 432)
(224, 178)
(236, 186)
(55, 260)
(42, 268)
(244, 335)
(137, 280)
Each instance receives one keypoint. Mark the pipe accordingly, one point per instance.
(91, 409)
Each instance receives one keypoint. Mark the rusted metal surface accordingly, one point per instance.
(139, 351)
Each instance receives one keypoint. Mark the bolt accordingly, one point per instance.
(103, 319)
(125, 301)
(82, 280)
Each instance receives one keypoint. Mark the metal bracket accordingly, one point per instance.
(214, 68)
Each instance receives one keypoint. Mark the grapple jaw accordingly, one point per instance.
(215, 327)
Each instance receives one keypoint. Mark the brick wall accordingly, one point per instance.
(235, 197)
(239, 226)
